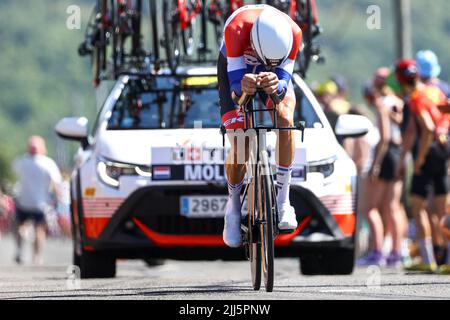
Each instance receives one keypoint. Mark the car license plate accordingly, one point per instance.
(205, 206)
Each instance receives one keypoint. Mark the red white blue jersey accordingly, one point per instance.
(241, 58)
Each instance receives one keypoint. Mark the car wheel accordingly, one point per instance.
(91, 264)
(327, 262)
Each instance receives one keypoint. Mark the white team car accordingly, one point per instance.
(149, 178)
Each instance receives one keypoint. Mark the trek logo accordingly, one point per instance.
(230, 123)
(251, 60)
(204, 173)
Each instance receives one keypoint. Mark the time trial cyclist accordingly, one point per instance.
(259, 50)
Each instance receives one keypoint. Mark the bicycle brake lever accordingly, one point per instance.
(301, 126)
(223, 131)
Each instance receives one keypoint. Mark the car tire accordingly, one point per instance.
(328, 262)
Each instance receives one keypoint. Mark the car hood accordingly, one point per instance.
(140, 146)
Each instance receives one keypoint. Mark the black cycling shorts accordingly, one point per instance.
(36, 216)
(433, 176)
(390, 163)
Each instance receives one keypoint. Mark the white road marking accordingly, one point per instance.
(340, 290)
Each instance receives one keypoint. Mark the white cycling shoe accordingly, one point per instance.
(232, 228)
(287, 217)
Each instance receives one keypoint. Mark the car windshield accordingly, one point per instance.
(190, 103)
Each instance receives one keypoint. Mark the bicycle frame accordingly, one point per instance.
(216, 9)
(186, 16)
(234, 5)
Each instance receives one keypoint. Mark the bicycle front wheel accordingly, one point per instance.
(267, 210)
(254, 243)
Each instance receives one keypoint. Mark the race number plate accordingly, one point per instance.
(205, 206)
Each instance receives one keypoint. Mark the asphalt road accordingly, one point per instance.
(203, 280)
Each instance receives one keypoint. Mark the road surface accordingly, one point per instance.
(203, 280)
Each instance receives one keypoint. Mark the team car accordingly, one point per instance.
(149, 179)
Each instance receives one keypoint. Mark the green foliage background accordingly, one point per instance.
(42, 78)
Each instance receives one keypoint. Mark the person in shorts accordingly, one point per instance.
(38, 178)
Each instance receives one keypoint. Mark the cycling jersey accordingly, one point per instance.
(428, 100)
(241, 58)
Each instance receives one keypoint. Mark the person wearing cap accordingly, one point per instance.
(340, 103)
(325, 93)
(38, 178)
(427, 138)
(429, 69)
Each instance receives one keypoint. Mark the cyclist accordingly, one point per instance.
(427, 135)
(259, 49)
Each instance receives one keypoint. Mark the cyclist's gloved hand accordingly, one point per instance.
(249, 84)
(269, 82)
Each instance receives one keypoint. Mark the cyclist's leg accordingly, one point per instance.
(232, 118)
(285, 151)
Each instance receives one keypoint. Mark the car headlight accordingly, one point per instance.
(325, 167)
(109, 172)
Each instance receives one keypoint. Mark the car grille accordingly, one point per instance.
(159, 210)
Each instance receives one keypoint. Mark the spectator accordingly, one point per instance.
(38, 178)
(340, 103)
(429, 70)
(427, 137)
(6, 211)
(325, 93)
(383, 211)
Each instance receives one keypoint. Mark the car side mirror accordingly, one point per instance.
(73, 128)
(352, 126)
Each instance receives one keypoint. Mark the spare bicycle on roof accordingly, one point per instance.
(180, 29)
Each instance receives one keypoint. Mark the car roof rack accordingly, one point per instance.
(182, 72)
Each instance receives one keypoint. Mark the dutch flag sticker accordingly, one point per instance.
(161, 173)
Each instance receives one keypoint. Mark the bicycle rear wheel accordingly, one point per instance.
(154, 24)
(119, 35)
(136, 37)
(99, 47)
(266, 212)
(172, 30)
(305, 21)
